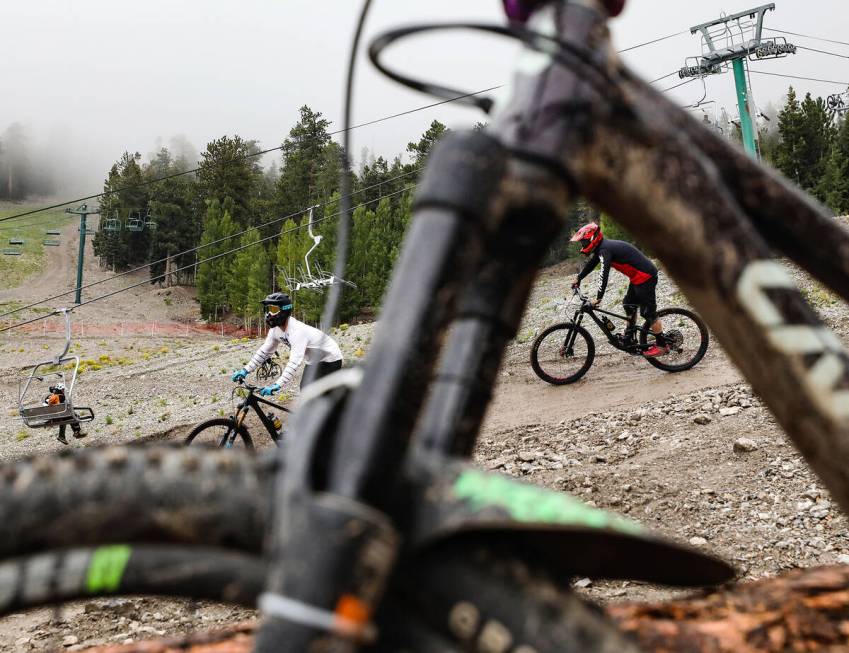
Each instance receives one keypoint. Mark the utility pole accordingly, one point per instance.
(83, 211)
(732, 39)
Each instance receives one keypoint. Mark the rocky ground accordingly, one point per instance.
(694, 456)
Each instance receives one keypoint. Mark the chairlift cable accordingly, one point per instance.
(671, 88)
(833, 54)
(807, 79)
(660, 79)
(807, 36)
(207, 259)
(657, 40)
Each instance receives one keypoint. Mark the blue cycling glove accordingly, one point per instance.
(270, 390)
(239, 376)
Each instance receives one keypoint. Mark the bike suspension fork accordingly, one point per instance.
(491, 309)
(346, 512)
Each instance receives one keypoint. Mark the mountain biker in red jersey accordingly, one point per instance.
(520, 10)
(631, 262)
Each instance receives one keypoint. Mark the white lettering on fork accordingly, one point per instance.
(821, 379)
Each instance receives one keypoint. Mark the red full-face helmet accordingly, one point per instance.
(589, 236)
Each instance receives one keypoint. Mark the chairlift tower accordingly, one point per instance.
(83, 211)
(730, 40)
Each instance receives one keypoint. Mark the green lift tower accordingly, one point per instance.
(730, 40)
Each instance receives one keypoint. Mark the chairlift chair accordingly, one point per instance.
(51, 242)
(31, 405)
(307, 279)
(52, 232)
(11, 251)
(15, 240)
(135, 222)
(149, 221)
(113, 223)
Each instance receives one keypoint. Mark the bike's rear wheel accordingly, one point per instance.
(563, 353)
(263, 373)
(687, 336)
(221, 432)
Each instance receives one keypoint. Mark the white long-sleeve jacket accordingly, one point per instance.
(304, 342)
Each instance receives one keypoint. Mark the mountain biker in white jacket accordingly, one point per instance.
(306, 344)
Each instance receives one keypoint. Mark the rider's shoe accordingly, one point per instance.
(654, 351)
(79, 434)
(61, 438)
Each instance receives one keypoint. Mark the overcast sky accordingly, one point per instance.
(102, 76)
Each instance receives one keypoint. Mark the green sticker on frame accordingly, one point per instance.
(106, 568)
(527, 503)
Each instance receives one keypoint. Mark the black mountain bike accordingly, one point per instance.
(379, 534)
(270, 368)
(231, 432)
(563, 353)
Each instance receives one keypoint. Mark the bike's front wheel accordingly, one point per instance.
(221, 432)
(563, 353)
(686, 336)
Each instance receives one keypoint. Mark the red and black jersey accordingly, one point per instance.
(623, 257)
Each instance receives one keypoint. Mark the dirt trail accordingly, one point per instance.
(615, 381)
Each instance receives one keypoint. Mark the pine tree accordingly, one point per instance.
(239, 274)
(213, 275)
(226, 172)
(817, 136)
(419, 151)
(788, 154)
(834, 189)
(304, 161)
(127, 197)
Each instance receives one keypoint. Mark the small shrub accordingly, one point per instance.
(221, 412)
(163, 402)
(22, 435)
(168, 301)
(216, 348)
(214, 399)
(525, 336)
(164, 417)
(109, 420)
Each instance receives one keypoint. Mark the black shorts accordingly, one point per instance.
(316, 371)
(642, 297)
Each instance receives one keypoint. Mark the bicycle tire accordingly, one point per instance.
(550, 334)
(460, 602)
(700, 352)
(228, 423)
(135, 494)
(263, 373)
(124, 570)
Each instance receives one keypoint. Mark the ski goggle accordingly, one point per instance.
(274, 309)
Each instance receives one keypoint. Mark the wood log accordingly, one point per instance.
(805, 610)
